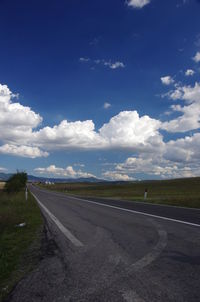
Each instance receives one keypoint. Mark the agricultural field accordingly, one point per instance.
(18, 245)
(178, 192)
(2, 184)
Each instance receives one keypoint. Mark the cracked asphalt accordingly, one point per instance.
(124, 256)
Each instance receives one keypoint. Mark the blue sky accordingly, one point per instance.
(103, 88)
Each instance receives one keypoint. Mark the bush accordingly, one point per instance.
(16, 182)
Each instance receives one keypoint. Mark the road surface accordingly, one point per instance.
(117, 251)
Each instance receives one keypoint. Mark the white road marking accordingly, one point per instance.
(133, 211)
(61, 227)
(156, 251)
(131, 296)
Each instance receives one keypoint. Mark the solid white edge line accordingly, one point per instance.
(137, 212)
(123, 209)
(61, 227)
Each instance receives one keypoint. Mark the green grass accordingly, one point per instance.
(178, 192)
(17, 244)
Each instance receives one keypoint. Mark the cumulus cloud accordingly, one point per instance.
(106, 105)
(69, 135)
(137, 3)
(189, 72)
(167, 80)
(125, 130)
(67, 172)
(114, 65)
(17, 123)
(22, 151)
(151, 165)
(16, 120)
(190, 113)
(196, 58)
(129, 130)
(185, 149)
(3, 169)
(116, 176)
(179, 158)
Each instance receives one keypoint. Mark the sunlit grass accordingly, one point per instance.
(14, 241)
(2, 184)
(179, 192)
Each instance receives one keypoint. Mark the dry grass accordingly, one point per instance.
(2, 184)
(15, 241)
(179, 192)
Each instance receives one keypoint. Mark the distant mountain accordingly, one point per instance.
(5, 176)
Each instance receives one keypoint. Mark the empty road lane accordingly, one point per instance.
(115, 254)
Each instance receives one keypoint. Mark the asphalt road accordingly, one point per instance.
(114, 253)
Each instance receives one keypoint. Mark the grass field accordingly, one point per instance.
(2, 184)
(17, 245)
(179, 192)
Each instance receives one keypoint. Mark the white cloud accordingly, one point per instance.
(129, 130)
(167, 80)
(3, 169)
(114, 65)
(176, 159)
(189, 119)
(190, 114)
(16, 120)
(22, 151)
(196, 58)
(185, 149)
(154, 165)
(106, 105)
(69, 135)
(137, 3)
(116, 176)
(109, 63)
(84, 59)
(67, 172)
(125, 130)
(189, 72)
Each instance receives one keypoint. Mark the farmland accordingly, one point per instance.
(178, 192)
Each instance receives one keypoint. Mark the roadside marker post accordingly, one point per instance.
(145, 194)
(26, 194)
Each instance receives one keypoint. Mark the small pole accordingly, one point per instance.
(145, 194)
(26, 194)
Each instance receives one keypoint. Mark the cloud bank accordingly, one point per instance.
(67, 172)
(22, 135)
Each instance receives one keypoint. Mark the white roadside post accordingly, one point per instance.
(145, 194)
(26, 194)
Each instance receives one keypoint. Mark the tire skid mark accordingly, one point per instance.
(131, 295)
(156, 251)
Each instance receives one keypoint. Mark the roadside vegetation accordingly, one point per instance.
(16, 182)
(177, 192)
(20, 231)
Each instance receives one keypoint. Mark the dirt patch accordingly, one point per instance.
(47, 277)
